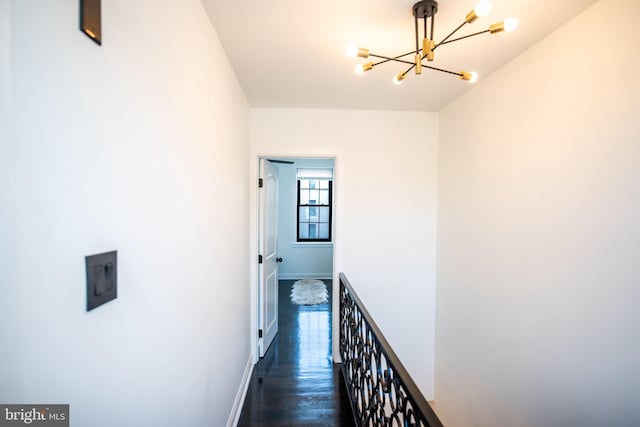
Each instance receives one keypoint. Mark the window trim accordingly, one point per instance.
(298, 206)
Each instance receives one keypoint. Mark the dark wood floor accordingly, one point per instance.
(296, 383)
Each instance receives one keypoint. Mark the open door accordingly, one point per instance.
(267, 258)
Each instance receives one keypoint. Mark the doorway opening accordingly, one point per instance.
(295, 239)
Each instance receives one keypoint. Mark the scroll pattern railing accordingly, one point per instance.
(380, 389)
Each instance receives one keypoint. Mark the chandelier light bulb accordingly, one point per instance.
(351, 50)
(471, 77)
(510, 24)
(482, 8)
(398, 78)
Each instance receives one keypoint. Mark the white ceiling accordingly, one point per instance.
(290, 53)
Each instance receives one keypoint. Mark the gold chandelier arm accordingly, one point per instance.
(395, 59)
(427, 49)
(402, 75)
(464, 37)
(450, 34)
(442, 70)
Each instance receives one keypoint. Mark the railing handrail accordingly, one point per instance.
(415, 395)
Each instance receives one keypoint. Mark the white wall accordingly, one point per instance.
(538, 238)
(300, 260)
(9, 295)
(385, 210)
(139, 146)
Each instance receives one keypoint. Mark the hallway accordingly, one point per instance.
(296, 383)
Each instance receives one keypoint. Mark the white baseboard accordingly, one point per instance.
(236, 410)
(295, 276)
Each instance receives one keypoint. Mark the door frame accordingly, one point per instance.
(255, 155)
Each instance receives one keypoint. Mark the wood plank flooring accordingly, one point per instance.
(296, 383)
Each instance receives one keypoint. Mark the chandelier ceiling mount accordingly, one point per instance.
(425, 9)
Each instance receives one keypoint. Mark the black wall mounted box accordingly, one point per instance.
(91, 19)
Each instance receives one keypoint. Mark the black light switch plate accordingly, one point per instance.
(102, 278)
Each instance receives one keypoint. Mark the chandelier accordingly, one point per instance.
(424, 10)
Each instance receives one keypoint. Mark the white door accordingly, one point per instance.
(268, 269)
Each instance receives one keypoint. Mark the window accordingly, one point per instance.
(314, 205)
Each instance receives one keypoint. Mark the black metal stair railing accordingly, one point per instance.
(380, 389)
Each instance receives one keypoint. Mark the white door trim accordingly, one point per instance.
(338, 197)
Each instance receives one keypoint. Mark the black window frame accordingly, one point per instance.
(329, 205)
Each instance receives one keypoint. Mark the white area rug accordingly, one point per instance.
(309, 292)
